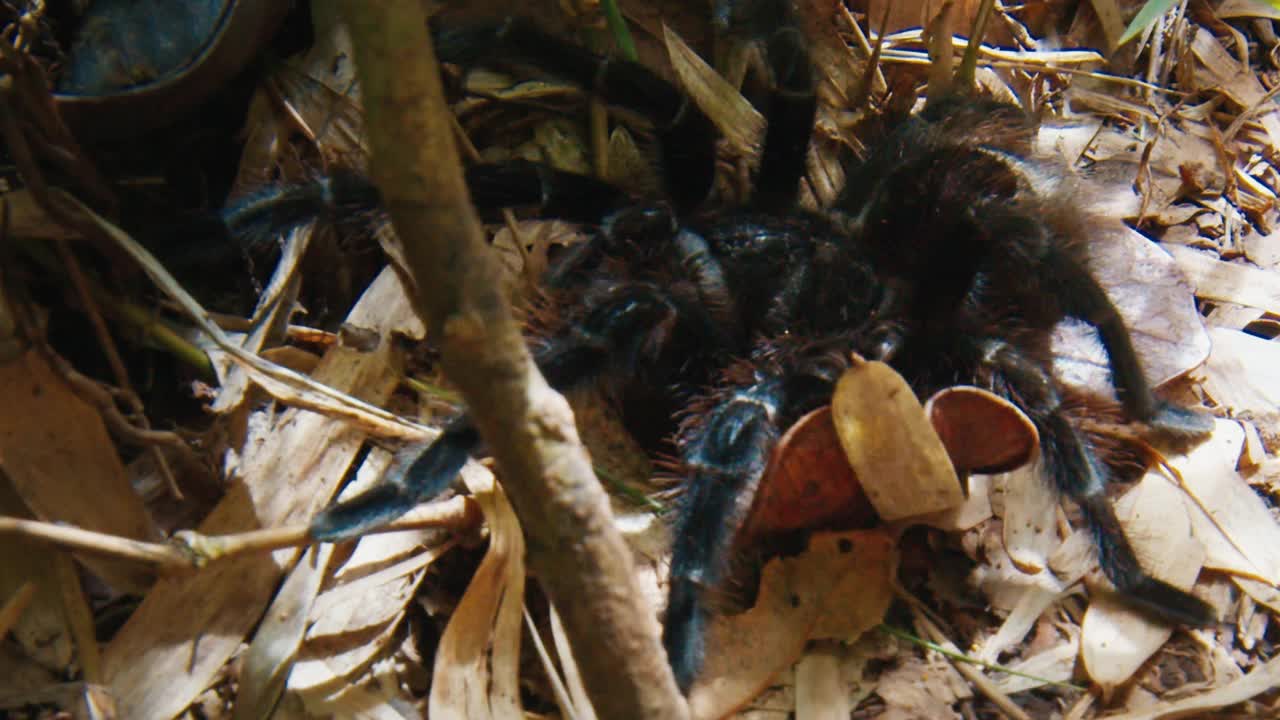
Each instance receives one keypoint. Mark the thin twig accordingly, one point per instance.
(920, 614)
(575, 550)
(108, 345)
(191, 550)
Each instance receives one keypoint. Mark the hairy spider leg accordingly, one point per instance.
(724, 459)
(1074, 469)
(724, 455)
(791, 111)
(628, 328)
(686, 137)
(345, 197)
(426, 476)
(348, 199)
(1085, 299)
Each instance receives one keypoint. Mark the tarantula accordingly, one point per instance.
(948, 255)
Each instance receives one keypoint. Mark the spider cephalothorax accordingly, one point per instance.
(949, 254)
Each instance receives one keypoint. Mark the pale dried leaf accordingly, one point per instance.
(1030, 517)
(354, 618)
(1229, 282)
(1115, 639)
(1261, 679)
(629, 167)
(1068, 139)
(1247, 9)
(274, 308)
(538, 237)
(368, 701)
(354, 622)
(476, 672)
(1057, 664)
(892, 446)
(315, 92)
(1263, 250)
(1261, 593)
(975, 509)
(1031, 605)
(1008, 588)
(1243, 373)
(297, 390)
(1238, 532)
(820, 690)
(185, 630)
(1155, 303)
(650, 541)
(740, 123)
(581, 702)
(275, 645)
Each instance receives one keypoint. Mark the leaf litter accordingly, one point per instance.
(1203, 507)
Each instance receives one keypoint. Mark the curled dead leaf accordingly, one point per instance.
(808, 483)
(982, 431)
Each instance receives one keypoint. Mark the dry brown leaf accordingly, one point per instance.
(1262, 593)
(1115, 638)
(270, 656)
(1247, 9)
(1243, 374)
(285, 385)
(982, 431)
(893, 449)
(1238, 532)
(740, 123)
(352, 622)
(274, 308)
(1057, 664)
(56, 452)
(315, 93)
(1220, 72)
(922, 688)
(838, 588)
(1228, 282)
(32, 608)
(476, 673)
(186, 628)
(539, 237)
(1030, 508)
(807, 485)
(1261, 679)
